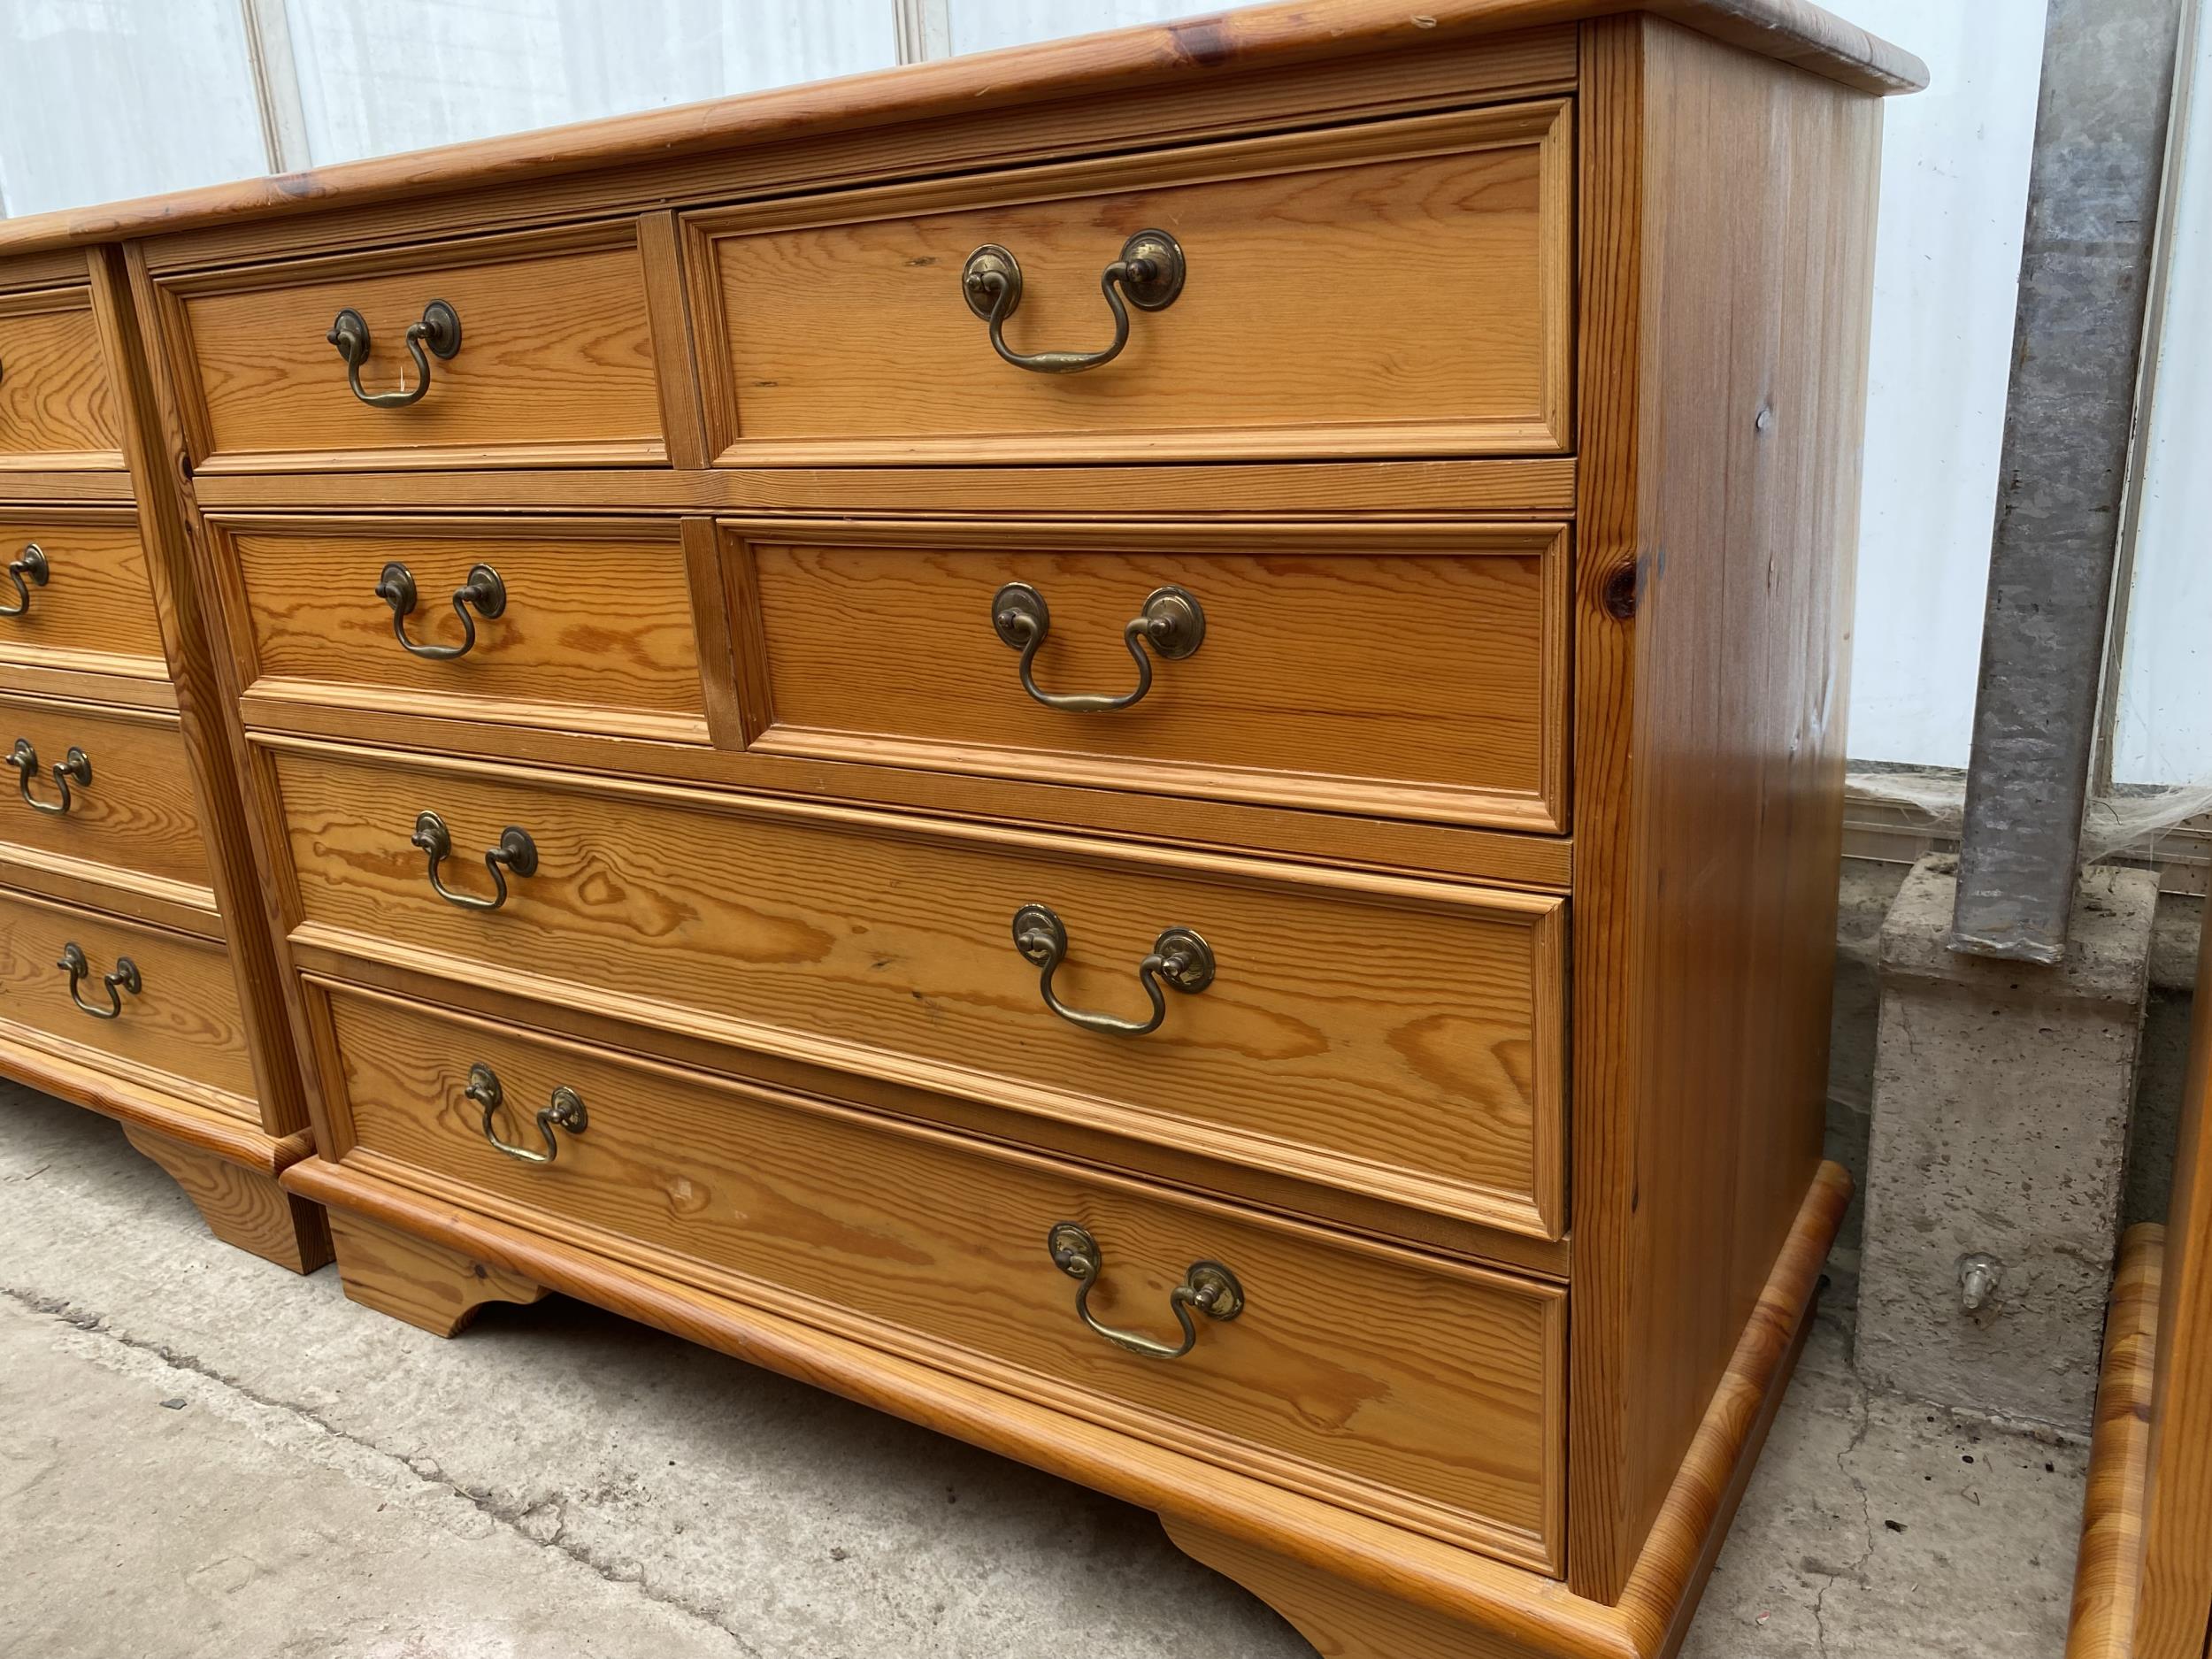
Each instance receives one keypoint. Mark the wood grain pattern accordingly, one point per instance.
(412, 1279)
(1678, 1554)
(95, 613)
(1342, 1621)
(1324, 1539)
(835, 330)
(660, 245)
(1104, 70)
(83, 685)
(2109, 1569)
(56, 267)
(1351, 1620)
(1720, 473)
(38, 488)
(1192, 1172)
(1380, 1053)
(556, 365)
(57, 401)
(2174, 1611)
(241, 1206)
(1403, 1039)
(1399, 1384)
(139, 816)
(1380, 669)
(665, 1292)
(1493, 856)
(181, 907)
(183, 587)
(180, 1033)
(1412, 73)
(597, 634)
(89, 1079)
(1540, 487)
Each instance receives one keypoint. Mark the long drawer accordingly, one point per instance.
(1412, 1388)
(107, 789)
(1394, 288)
(1397, 1038)
(156, 1008)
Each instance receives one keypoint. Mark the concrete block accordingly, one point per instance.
(2002, 1093)
(1864, 895)
(2162, 1076)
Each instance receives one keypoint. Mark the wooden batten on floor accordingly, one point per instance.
(2108, 1574)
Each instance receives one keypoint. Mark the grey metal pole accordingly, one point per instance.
(2085, 268)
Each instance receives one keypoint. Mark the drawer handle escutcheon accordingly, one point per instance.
(31, 563)
(1150, 273)
(1172, 624)
(76, 765)
(483, 592)
(516, 852)
(126, 977)
(440, 329)
(565, 1111)
(1208, 1287)
(1178, 957)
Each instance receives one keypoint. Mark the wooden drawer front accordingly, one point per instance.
(554, 367)
(1414, 1389)
(138, 817)
(1397, 1038)
(95, 612)
(595, 633)
(57, 406)
(181, 1030)
(1392, 289)
(1415, 671)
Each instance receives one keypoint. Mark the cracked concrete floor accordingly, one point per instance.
(202, 1457)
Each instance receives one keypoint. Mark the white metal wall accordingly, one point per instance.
(2162, 718)
(1947, 279)
(107, 98)
(377, 76)
(980, 26)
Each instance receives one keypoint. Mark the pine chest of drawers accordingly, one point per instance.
(1134, 747)
(137, 973)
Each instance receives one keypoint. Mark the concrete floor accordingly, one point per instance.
(204, 1457)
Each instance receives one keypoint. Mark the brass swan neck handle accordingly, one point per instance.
(1150, 274)
(1208, 1287)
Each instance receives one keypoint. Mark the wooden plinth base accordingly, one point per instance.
(429, 1286)
(241, 1206)
(1341, 1619)
(1358, 1588)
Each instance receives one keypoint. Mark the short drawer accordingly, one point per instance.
(576, 624)
(1397, 288)
(157, 1007)
(1400, 1039)
(1415, 1389)
(76, 595)
(1415, 671)
(106, 787)
(534, 350)
(56, 405)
